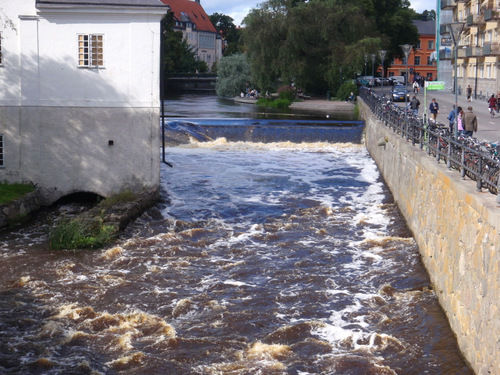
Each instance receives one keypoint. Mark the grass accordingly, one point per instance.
(11, 192)
(274, 103)
(79, 234)
(90, 233)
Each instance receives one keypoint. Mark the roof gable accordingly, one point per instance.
(191, 11)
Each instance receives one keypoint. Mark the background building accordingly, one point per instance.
(191, 19)
(478, 50)
(420, 62)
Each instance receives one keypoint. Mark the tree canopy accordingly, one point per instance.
(233, 75)
(317, 43)
(230, 34)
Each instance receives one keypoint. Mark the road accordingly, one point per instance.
(488, 128)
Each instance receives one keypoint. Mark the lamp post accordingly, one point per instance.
(406, 50)
(366, 61)
(373, 67)
(382, 53)
(456, 29)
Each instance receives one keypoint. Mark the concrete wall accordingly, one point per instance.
(457, 231)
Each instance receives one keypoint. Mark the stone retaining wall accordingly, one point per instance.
(457, 231)
(20, 209)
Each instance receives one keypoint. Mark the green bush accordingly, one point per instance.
(345, 90)
(11, 192)
(286, 93)
(276, 103)
(79, 234)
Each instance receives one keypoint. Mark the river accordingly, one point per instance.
(268, 254)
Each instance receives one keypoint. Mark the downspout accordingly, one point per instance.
(163, 156)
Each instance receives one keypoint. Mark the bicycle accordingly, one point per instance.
(492, 112)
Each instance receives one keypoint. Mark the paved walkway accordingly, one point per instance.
(488, 128)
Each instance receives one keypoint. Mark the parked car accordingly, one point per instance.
(382, 81)
(368, 81)
(399, 93)
(397, 80)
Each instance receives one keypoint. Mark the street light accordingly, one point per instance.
(382, 53)
(366, 61)
(373, 67)
(406, 50)
(456, 29)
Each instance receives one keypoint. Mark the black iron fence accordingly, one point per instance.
(479, 161)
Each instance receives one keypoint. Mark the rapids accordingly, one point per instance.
(264, 257)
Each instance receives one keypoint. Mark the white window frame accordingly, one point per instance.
(2, 149)
(90, 50)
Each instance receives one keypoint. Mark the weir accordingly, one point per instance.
(457, 232)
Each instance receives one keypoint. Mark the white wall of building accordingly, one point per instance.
(68, 128)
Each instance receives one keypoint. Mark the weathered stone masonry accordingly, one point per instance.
(457, 231)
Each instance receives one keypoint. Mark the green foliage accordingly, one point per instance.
(274, 103)
(286, 93)
(79, 234)
(345, 90)
(233, 74)
(230, 34)
(317, 43)
(11, 192)
(177, 55)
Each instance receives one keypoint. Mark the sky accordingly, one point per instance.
(238, 9)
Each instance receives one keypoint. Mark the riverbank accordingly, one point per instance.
(326, 107)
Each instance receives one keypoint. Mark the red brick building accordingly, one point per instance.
(419, 60)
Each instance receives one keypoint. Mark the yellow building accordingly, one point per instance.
(478, 49)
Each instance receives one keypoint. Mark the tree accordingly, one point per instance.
(177, 55)
(229, 33)
(311, 42)
(233, 75)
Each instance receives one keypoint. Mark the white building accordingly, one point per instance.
(191, 19)
(79, 104)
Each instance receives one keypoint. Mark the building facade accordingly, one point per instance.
(80, 111)
(420, 60)
(198, 30)
(478, 49)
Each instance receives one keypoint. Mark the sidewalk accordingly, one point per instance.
(488, 128)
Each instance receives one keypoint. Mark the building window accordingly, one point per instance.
(430, 44)
(418, 46)
(417, 60)
(90, 50)
(1, 152)
(206, 41)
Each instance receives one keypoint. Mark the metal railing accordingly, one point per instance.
(479, 161)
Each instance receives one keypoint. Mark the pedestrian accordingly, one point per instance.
(492, 105)
(460, 121)
(416, 87)
(498, 102)
(469, 93)
(451, 118)
(414, 104)
(434, 109)
(469, 122)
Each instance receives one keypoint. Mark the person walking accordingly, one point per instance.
(434, 109)
(469, 122)
(451, 119)
(492, 105)
(414, 105)
(469, 93)
(460, 122)
(416, 87)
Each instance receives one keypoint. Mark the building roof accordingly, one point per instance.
(425, 27)
(128, 3)
(191, 11)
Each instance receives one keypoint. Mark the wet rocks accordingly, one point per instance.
(20, 209)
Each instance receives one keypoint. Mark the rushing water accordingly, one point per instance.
(265, 257)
